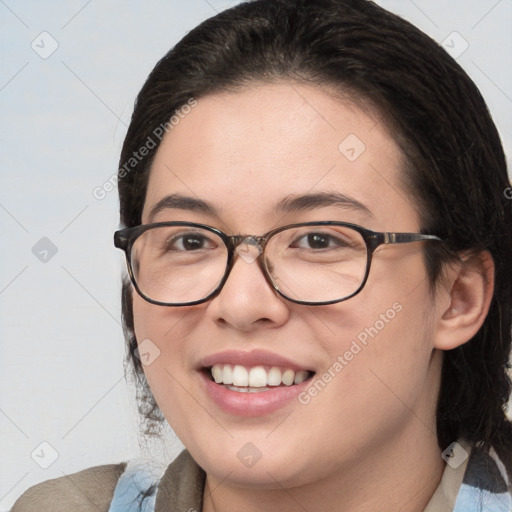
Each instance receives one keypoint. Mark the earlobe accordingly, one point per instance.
(467, 295)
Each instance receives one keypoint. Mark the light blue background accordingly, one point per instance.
(63, 122)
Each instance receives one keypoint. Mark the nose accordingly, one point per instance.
(247, 301)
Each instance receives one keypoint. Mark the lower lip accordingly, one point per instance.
(251, 404)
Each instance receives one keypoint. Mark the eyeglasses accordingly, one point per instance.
(312, 263)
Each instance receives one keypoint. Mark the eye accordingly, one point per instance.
(190, 242)
(318, 241)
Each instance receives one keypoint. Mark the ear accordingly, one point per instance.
(464, 298)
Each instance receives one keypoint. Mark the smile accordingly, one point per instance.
(256, 379)
(252, 383)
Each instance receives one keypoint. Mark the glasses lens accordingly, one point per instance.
(317, 263)
(178, 264)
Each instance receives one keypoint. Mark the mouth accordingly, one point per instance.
(253, 383)
(255, 379)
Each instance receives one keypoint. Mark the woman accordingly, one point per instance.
(319, 248)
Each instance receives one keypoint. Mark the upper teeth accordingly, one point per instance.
(257, 376)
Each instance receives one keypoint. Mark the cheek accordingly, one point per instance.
(158, 336)
(164, 350)
(164, 326)
(393, 339)
(380, 347)
(378, 370)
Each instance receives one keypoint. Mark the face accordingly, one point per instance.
(243, 154)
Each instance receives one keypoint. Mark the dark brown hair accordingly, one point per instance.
(455, 166)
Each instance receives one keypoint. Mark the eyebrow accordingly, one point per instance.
(179, 202)
(320, 200)
(300, 203)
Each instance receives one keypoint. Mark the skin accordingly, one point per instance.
(368, 438)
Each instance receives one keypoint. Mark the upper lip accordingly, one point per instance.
(250, 359)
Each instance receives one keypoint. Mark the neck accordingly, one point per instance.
(399, 475)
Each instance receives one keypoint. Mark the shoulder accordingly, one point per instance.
(90, 490)
(182, 485)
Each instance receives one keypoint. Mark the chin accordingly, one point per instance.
(259, 464)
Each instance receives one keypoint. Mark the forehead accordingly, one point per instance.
(247, 151)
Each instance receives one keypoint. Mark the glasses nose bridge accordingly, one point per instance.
(234, 241)
(248, 247)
